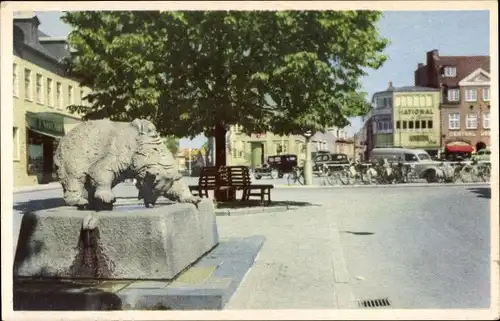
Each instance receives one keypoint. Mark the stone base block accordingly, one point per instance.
(134, 243)
(208, 284)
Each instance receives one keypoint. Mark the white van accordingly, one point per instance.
(424, 166)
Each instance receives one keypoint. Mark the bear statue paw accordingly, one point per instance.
(191, 199)
(105, 195)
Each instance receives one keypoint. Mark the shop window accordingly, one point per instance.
(423, 124)
(398, 124)
(429, 124)
(35, 153)
(410, 124)
(417, 124)
(404, 124)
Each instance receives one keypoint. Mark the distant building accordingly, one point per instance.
(42, 92)
(253, 150)
(464, 82)
(404, 117)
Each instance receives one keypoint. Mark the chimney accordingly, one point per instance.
(390, 86)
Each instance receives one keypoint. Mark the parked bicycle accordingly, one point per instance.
(296, 175)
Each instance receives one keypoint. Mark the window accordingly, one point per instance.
(28, 93)
(404, 124)
(410, 157)
(50, 93)
(39, 89)
(417, 124)
(453, 95)
(454, 121)
(15, 154)
(15, 80)
(450, 71)
(486, 94)
(486, 120)
(281, 148)
(423, 124)
(429, 124)
(470, 94)
(59, 98)
(471, 121)
(398, 124)
(70, 95)
(410, 124)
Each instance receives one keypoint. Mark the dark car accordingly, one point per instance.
(329, 159)
(277, 166)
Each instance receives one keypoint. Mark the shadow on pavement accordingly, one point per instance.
(37, 205)
(481, 192)
(357, 233)
(256, 203)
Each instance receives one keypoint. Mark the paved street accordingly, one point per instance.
(420, 247)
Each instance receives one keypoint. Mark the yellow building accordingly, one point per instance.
(253, 150)
(42, 94)
(416, 118)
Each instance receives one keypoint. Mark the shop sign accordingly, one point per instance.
(419, 138)
(485, 133)
(416, 111)
(44, 125)
(461, 133)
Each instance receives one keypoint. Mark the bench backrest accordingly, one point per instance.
(236, 176)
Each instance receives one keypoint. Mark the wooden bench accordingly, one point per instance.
(231, 180)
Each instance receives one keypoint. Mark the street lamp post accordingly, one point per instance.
(308, 163)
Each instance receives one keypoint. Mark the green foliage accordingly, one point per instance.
(172, 144)
(284, 72)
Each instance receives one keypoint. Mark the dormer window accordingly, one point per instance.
(450, 71)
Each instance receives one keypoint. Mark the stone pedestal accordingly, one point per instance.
(135, 243)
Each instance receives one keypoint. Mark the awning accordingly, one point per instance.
(460, 148)
(50, 124)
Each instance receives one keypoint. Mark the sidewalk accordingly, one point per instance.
(34, 188)
(300, 266)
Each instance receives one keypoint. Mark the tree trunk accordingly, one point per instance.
(220, 158)
(220, 145)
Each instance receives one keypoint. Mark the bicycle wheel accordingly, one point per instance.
(331, 179)
(300, 178)
(486, 174)
(344, 177)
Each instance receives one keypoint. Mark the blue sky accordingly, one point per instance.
(412, 34)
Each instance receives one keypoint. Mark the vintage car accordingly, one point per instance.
(276, 166)
(329, 159)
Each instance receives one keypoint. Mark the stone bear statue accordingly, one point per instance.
(97, 155)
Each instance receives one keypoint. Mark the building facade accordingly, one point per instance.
(253, 150)
(417, 118)
(407, 117)
(464, 83)
(42, 92)
(466, 125)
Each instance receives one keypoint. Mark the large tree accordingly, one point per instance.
(286, 72)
